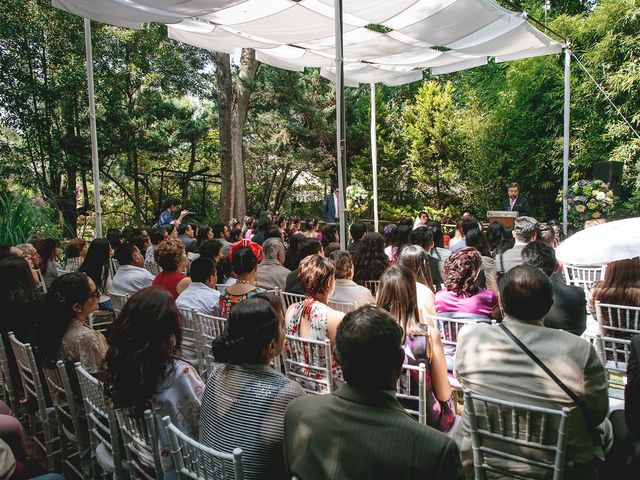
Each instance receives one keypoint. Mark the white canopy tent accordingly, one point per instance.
(369, 41)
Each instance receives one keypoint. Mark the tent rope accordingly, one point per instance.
(606, 95)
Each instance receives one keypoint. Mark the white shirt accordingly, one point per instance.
(201, 298)
(129, 279)
(512, 202)
(337, 204)
(149, 254)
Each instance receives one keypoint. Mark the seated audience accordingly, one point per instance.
(524, 231)
(458, 235)
(399, 239)
(569, 309)
(49, 252)
(115, 237)
(476, 238)
(232, 414)
(489, 362)
(221, 232)
(291, 258)
(143, 369)
(130, 277)
(30, 254)
(313, 318)
(620, 285)
(467, 224)
(156, 235)
(140, 238)
(495, 235)
(389, 232)
(423, 238)
(172, 259)
(244, 256)
(271, 274)
(63, 334)
(97, 265)
(422, 344)
(205, 232)
(370, 261)
(186, 235)
(308, 247)
(438, 251)
(416, 259)
(312, 228)
(361, 430)
(346, 290)
(75, 250)
(330, 235)
(332, 247)
(201, 294)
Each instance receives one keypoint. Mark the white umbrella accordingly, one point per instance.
(619, 240)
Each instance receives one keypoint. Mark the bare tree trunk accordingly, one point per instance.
(241, 94)
(223, 77)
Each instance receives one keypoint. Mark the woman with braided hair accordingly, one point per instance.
(245, 398)
(244, 257)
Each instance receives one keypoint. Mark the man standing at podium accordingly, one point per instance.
(515, 203)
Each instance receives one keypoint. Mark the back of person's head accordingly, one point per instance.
(210, 248)
(407, 221)
(243, 261)
(311, 223)
(271, 248)
(477, 239)
(96, 262)
(114, 237)
(125, 253)
(126, 233)
(461, 270)
(65, 293)
(249, 222)
(397, 295)
(169, 254)
(156, 235)
(525, 229)
(438, 236)
(389, 234)
(315, 274)
(203, 233)
(620, 283)
(74, 247)
(370, 260)
(401, 234)
(369, 349)
(182, 228)
(202, 268)
(343, 264)
(273, 232)
(416, 259)
(422, 237)
(170, 202)
(526, 293)
(264, 223)
(329, 235)
(495, 234)
(218, 230)
(309, 246)
(46, 249)
(294, 243)
(357, 230)
(332, 247)
(254, 332)
(540, 254)
(546, 234)
(144, 339)
(15, 279)
(469, 223)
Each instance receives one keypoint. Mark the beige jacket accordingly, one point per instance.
(490, 363)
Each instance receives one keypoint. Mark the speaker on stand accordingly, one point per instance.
(611, 173)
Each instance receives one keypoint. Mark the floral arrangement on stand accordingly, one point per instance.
(357, 200)
(589, 200)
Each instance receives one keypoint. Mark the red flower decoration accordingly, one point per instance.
(254, 247)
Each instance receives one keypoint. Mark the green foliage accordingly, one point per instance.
(21, 216)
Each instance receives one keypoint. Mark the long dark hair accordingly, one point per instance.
(292, 257)
(96, 263)
(17, 284)
(477, 239)
(251, 325)
(145, 338)
(64, 293)
(397, 295)
(370, 261)
(203, 233)
(438, 236)
(46, 249)
(416, 259)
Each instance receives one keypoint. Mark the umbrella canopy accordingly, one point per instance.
(619, 240)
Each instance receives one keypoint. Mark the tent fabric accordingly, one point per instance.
(388, 42)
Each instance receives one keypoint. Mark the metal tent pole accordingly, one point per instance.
(566, 133)
(374, 157)
(340, 125)
(92, 119)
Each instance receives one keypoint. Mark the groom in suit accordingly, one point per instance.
(515, 203)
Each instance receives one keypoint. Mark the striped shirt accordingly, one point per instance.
(243, 406)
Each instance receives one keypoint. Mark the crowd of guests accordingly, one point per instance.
(401, 282)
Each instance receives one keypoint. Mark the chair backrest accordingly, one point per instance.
(516, 440)
(118, 300)
(582, 277)
(190, 344)
(101, 420)
(196, 461)
(308, 362)
(450, 328)
(614, 354)
(289, 299)
(345, 307)
(152, 267)
(372, 285)
(31, 382)
(8, 390)
(140, 441)
(208, 328)
(412, 391)
(618, 321)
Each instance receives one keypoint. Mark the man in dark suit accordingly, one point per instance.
(361, 430)
(515, 203)
(569, 310)
(331, 206)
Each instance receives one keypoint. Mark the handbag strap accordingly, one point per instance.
(579, 402)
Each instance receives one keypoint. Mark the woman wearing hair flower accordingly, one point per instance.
(244, 257)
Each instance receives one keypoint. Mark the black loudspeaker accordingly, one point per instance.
(611, 173)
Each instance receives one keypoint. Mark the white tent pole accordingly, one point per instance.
(92, 120)
(340, 126)
(566, 133)
(374, 157)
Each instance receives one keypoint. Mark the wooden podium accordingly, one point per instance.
(506, 218)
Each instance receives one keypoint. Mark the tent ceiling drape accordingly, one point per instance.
(388, 42)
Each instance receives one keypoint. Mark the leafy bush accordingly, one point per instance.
(20, 216)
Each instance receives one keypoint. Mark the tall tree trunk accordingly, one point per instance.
(136, 181)
(241, 94)
(223, 77)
